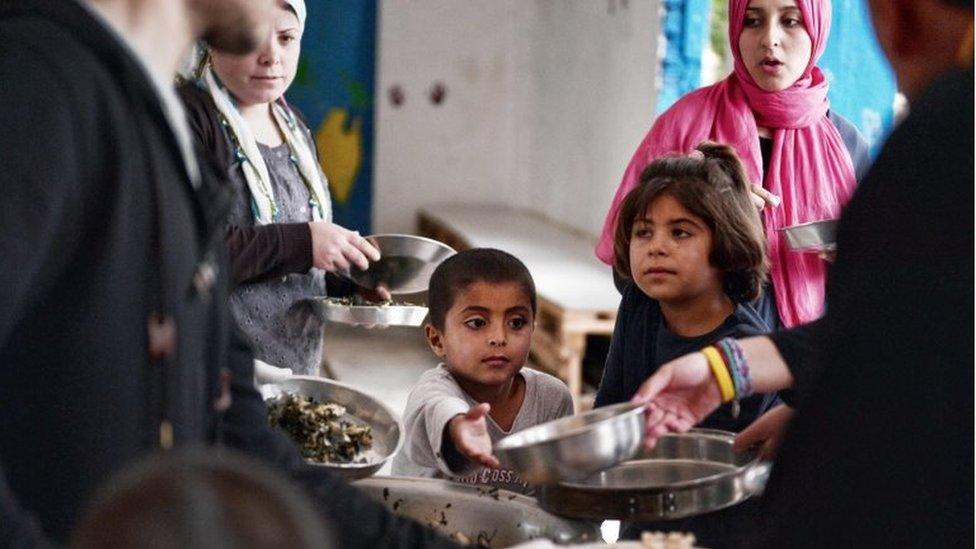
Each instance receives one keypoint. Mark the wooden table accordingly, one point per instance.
(576, 294)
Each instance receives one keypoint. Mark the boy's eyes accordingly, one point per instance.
(680, 233)
(518, 323)
(476, 323)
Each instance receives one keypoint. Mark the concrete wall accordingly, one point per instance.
(546, 100)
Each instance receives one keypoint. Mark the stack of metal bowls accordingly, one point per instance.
(592, 466)
(686, 474)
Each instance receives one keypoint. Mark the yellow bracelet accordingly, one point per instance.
(721, 373)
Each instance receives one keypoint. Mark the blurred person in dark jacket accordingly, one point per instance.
(115, 337)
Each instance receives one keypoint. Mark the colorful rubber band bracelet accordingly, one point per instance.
(725, 349)
(738, 365)
(721, 373)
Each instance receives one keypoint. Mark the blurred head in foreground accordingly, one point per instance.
(198, 499)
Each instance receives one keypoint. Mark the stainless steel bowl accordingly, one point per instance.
(575, 447)
(360, 408)
(378, 315)
(406, 264)
(504, 517)
(816, 236)
(686, 474)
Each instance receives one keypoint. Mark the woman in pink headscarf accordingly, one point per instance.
(773, 110)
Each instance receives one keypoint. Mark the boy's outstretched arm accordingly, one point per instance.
(433, 402)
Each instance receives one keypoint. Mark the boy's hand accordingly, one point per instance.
(470, 436)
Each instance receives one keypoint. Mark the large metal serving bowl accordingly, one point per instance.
(505, 517)
(816, 236)
(406, 265)
(360, 408)
(686, 474)
(574, 447)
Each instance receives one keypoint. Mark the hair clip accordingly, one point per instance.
(697, 155)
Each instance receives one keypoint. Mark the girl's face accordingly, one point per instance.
(263, 75)
(774, 44)
(669, 253)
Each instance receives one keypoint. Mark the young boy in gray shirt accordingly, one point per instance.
(482, 306)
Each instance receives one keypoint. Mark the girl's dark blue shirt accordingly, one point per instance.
(642, 342)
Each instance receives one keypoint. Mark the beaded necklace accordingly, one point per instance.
(302, 159)
(284, 114)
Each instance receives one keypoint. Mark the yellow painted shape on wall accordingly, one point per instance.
(340, 152)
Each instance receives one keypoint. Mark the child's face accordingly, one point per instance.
(487, 333)
(669, 249)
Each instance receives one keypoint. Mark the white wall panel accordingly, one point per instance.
(546, 100)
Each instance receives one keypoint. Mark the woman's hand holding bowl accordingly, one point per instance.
(336, 248)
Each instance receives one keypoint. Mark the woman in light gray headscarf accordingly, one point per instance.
(281, 238)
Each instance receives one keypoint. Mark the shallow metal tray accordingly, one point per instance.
(504, 517)
(360, 408)
(685, 475)
(376, 315)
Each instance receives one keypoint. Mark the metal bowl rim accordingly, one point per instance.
(809, 224)
(628, 407)
(736, 470)
(436, 243)
(341, 314)
(382, 405)
(405, 308)
(428, 481)
(505, 496)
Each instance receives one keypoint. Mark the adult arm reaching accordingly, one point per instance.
(684, 391)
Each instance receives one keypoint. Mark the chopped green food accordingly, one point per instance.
(318, 429)
(360, 301)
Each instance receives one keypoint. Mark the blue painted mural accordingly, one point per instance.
(685, 29)
(334, 90)
(862, 86)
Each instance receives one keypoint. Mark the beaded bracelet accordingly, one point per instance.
(738, 367)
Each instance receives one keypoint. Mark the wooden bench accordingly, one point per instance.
(576, 294)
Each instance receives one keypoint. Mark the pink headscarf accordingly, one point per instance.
(810, 168)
